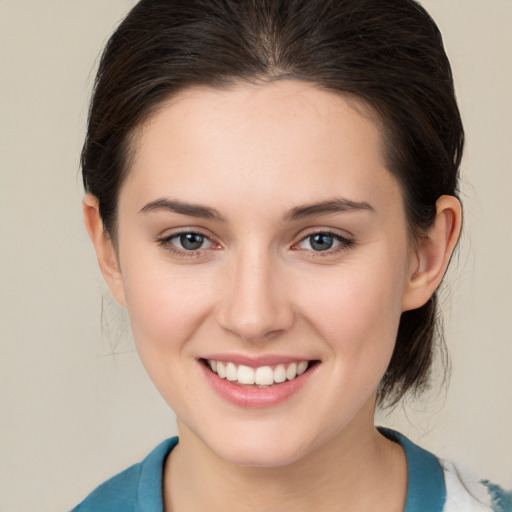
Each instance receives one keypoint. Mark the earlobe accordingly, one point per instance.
(432, 253)
(104, 247)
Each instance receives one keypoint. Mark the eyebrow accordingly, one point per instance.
(183, 208)
(335, 205)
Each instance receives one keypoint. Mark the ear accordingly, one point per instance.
(432, 253)
(105, 250)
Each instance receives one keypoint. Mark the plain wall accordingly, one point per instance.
(71, 413)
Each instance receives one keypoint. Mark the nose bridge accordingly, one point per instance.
(256, 304)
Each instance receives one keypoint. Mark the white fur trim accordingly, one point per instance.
(464, 491)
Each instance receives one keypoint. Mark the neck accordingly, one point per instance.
(337, 476)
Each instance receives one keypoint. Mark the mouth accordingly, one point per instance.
(266, 376)
(259, 385)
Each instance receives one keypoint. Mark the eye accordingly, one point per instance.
(186, 242)
(191, 241)
(324, 242)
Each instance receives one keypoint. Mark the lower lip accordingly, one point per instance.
(253, 397)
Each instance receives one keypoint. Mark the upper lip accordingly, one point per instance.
(256, 361)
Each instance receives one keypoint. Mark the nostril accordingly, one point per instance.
(258, 324)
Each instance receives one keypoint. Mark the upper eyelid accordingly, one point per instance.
(166, 240)
(326, 231)
(184, 231)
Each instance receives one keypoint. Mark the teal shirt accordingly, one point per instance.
(139, 488)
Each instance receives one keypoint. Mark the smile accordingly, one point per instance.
(267, 384)
(262, 376)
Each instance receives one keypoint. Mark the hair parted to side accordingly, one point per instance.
(387, 53)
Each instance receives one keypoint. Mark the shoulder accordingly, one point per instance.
(135, 488)
(467, 493)
(439, 485)
(116, 494)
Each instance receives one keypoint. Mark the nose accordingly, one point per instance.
(255, 306)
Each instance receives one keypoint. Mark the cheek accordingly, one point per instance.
(166, 303)
(357, 309)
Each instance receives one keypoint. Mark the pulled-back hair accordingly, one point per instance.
(387, 53)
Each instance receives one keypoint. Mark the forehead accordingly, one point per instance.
(284, 142)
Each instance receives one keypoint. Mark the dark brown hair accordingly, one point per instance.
(387, 53)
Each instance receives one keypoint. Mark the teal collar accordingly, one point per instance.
(151, 478)
(426, 489)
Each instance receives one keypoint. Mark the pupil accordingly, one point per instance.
(191, 241)
(321, 242)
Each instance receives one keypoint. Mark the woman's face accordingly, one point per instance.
(259, 228)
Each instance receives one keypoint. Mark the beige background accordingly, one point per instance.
(72, 414)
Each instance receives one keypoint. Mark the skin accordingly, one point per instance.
(257, 286)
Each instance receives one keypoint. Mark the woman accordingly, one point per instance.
(272, 195)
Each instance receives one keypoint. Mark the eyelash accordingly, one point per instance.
(344, 244)
(166, 242)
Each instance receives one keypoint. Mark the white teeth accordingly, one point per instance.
(291, 371)
(302, 367)
(231, 373)
(221, 371)
(264, 376)
(245, 375)
(261, 376)
(280, 373)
